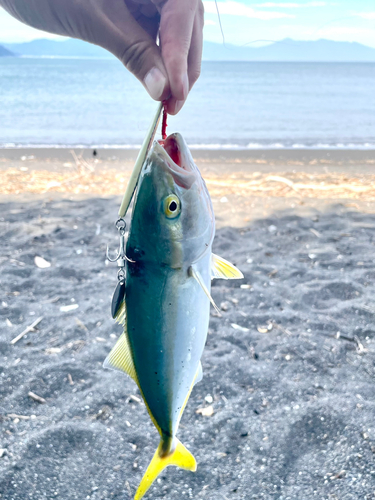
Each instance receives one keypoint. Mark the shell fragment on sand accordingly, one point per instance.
(41, 263)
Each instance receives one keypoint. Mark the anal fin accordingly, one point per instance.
(199, 374)
(120, 358)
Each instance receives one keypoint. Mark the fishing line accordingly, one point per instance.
(221, 27)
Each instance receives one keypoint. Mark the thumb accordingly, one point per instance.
(143, 59)
(137, 50)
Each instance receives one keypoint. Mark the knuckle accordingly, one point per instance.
(194, 75)
(135, 56)
(200, 9)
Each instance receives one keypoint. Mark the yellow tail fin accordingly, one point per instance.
(181, 457)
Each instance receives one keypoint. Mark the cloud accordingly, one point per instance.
(232, 8)
(366, 15)
(290, 5)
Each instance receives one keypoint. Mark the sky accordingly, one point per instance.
(253, 23)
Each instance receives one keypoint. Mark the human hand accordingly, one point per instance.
(128, 29)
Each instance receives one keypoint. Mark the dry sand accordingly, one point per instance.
(286, 406)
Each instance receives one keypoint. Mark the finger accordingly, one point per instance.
(194, 61)
(176, 27)
(196, 47)
(126, 39)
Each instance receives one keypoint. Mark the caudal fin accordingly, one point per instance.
(181, 457)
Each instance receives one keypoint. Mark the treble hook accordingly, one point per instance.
(120, 256)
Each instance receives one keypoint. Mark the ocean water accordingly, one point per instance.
(96, 102)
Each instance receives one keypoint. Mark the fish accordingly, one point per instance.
(164, 300)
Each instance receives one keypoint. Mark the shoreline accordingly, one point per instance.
(217, 161)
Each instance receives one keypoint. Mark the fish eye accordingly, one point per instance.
(172, 206)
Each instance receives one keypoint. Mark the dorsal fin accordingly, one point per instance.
(120, 358)
(221, 268)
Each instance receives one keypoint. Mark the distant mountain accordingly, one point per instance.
(65, 48)
(5, 52)
(287, 50)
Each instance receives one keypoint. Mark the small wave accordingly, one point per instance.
(203, 146)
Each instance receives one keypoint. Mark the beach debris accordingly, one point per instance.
(8, 322)
(70, 379)
(68, 308)
(272, 228)
(2, 452)
(239, 327)
(53, 350)
(265, 329)
(315, 232)
(136, 399)
(41, 263)
(209, 399)
(224, 306)
(18, 417)
(81, 324)
(288, 357)
(224, 199)
(36, 398)
(245, 286)
(30, 328)
(360, 347)
(207, 411)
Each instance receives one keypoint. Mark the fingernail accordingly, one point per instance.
(185, 85)
(178, 106)
(155, 83)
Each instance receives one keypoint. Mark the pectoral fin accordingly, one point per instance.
(120, 358)
(221, 268)
(195, 274)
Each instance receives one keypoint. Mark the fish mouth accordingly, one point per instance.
(178, 160)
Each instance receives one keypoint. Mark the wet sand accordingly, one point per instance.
(289, 378)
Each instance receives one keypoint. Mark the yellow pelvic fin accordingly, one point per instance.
(180, 457)
(197, 276)
(120, 358)
(221, 268)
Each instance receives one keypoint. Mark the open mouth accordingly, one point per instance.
(179, 161)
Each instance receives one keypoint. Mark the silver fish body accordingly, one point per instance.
(167, 311)
(167, 293)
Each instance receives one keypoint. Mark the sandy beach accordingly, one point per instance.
(286, 407)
